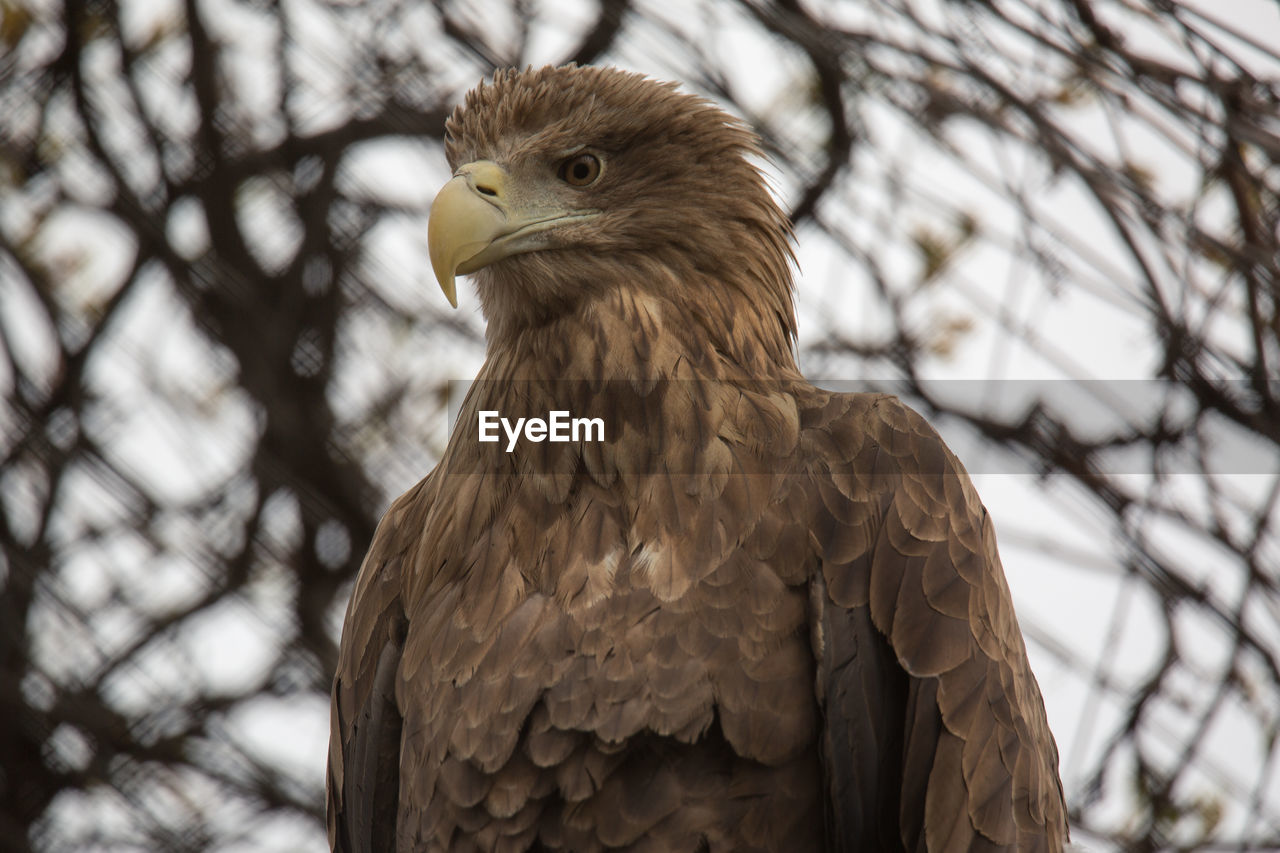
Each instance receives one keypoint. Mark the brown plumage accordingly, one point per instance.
(757, 616)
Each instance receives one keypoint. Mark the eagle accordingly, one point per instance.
(747, 614)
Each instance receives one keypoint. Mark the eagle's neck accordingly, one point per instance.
(657, 323)
(630, 357)
(675, 399)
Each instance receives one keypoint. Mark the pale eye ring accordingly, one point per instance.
(580, 170)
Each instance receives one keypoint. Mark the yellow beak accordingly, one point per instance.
(465, 218)
(481, 216)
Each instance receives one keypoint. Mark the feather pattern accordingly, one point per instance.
(758, 616)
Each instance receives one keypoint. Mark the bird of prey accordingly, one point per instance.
(748, 614)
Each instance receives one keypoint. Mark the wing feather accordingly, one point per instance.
(363, 780)
(932, 715)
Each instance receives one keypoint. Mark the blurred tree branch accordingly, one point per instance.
(218, 365)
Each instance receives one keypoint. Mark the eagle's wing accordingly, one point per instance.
(934, 723)
(364, 740)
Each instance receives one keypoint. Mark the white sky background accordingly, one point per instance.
(1079, 601)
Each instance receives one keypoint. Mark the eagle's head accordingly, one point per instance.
(569, 182)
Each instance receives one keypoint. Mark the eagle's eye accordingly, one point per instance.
(580, 170)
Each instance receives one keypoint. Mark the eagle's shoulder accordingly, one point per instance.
(378, 588)
(847, 426)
